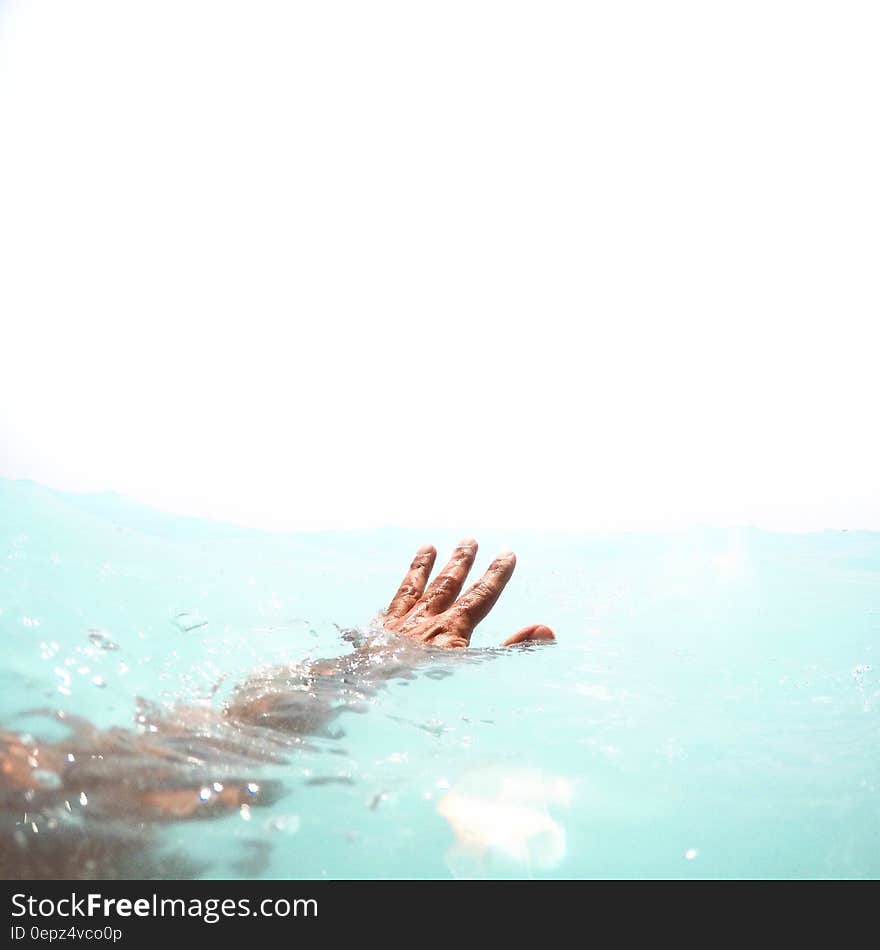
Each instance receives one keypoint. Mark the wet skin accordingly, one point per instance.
(435, 615)
(137, 780)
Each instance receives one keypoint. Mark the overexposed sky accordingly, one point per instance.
(322, 264)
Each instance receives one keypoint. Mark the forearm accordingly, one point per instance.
(303, 700)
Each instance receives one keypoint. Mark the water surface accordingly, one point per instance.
(710, 709)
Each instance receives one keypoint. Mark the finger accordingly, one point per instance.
(537, 631)
(413, 584)
(446, 586)
(478, 600)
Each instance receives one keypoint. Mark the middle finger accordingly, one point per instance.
(446, 586)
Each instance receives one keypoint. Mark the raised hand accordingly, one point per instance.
(435, 615)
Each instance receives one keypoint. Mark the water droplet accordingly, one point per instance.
(99, 681)
(218, 787)
(83, 798)
(252, 788)
(288, 824)
(690, 854)
(102, 640)
(245, 812)
(186, 621)
(205, 794)
(47, 779)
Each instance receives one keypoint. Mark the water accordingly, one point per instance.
(711, 708)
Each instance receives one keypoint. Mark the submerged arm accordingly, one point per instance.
(97, 795)
(421, 619)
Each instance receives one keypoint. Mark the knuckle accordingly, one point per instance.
(440, 588)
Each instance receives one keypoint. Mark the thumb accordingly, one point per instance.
(537, 631)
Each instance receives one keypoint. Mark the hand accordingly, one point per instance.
(433, 616)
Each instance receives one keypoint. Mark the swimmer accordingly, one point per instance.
(421, 615)
(90, 805)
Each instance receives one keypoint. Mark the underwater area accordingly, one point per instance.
(711, 707)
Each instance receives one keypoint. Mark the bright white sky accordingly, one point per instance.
(588, 265)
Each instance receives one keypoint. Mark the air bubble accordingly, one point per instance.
(102, 640)
(47, 779)
(288, 824)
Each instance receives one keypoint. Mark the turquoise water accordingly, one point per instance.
(711, 708)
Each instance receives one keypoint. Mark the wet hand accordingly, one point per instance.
(435, 615)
